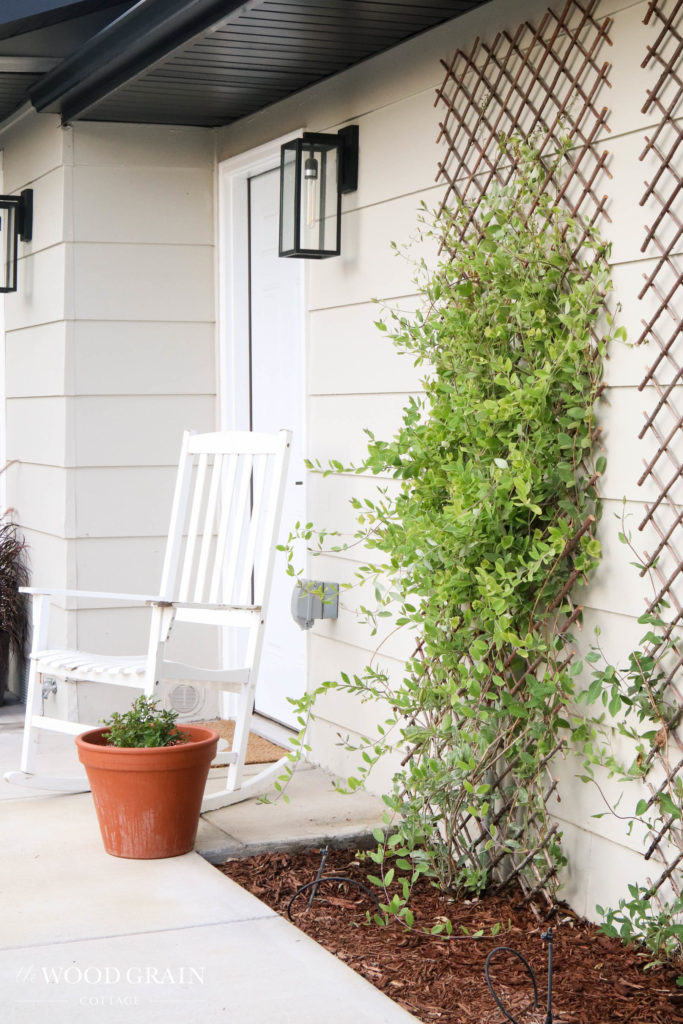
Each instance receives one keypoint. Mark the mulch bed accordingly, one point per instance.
(596, 980)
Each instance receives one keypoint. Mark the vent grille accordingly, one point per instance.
(185, 698)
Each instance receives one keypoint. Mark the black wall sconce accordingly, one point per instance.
(16, 222)
(315, 171)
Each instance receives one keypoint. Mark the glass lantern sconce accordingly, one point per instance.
(16, 222)
(315, 171)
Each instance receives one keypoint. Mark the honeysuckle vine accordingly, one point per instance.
(482, 538)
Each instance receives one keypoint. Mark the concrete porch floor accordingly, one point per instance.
(86, 936)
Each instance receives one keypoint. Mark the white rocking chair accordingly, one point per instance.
(217, 571)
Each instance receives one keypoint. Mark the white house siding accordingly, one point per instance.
(110, 354)
(355, 379)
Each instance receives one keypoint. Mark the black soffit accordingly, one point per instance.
(210, 62)
(19, 17)
(37, 35)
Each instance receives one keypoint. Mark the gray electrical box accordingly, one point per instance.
(314, 599)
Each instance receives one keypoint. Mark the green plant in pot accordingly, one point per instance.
(14, 573)
(147, 777)
(145, 725)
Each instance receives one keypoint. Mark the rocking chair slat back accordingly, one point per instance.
(193, 535)
(246, 582)
(210, 516)
(238, 517)
(222, 515)
(224, 520)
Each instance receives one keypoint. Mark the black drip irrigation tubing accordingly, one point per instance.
(547, 937)
(320, 879)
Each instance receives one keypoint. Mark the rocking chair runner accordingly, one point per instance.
(217, 571)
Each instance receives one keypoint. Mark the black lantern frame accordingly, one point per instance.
(16, 222)
(315, 171)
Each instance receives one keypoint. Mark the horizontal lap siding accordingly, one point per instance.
(141, 366)
(110, 352)
(35, 151)
(350, 331)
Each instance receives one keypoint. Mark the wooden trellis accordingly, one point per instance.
(664, 424)
(542, 82)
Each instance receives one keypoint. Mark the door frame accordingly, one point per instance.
(233, 276)
(233, 363)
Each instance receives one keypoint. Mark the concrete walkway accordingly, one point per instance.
(88, 937)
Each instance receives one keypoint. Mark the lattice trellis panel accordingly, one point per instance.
(543, 82)
(663, 154)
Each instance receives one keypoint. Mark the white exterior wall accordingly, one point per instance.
(35, 348)
(110, 354)
(356, 380)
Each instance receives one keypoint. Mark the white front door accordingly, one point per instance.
(264, 389)
(277, 389)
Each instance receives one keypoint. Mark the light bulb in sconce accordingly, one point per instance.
(311, 180)
(316, 169)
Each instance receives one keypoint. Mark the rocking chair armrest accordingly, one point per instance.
(200, 605)
(90, 595)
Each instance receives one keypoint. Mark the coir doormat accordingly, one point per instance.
(259, 750)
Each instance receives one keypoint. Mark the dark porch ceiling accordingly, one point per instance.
(36, 35)
(201, 62)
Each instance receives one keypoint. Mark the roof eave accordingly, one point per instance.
(130, 44)
(44, 15)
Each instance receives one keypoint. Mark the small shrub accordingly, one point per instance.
(144, 726)
(14, 573)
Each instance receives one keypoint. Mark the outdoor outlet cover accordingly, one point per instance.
(314, 599)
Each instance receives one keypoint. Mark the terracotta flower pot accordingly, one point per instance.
(148, 799)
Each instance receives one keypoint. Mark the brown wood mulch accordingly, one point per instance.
(596, 980)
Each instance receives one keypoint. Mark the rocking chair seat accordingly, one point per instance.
(79, 666)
